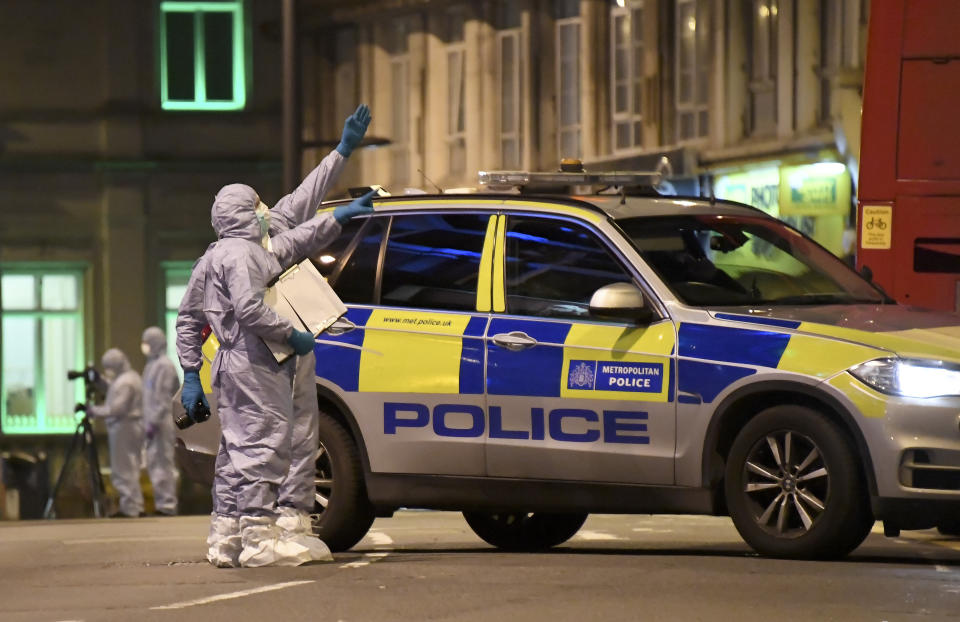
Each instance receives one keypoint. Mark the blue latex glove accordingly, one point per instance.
(301, 341)
(357, 207)
(353, 130)
(192, 392)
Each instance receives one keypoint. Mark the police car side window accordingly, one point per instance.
(355, 276)
(329, 259)
(433, 261)
(553, 267)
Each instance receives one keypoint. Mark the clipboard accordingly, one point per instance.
(304, 297)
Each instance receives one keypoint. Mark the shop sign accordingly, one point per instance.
(819, 189)
(759, 187)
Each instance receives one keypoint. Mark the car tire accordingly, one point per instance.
(794, 487)
(342, 511)
(523, 531)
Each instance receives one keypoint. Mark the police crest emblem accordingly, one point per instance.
(581, 376)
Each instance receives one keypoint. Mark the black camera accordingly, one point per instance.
(89, 375)
(200, 414)
(91, 381)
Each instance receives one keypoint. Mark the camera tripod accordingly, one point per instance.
(83, 445)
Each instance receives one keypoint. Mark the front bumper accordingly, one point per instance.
(913, 444)
(916, 513)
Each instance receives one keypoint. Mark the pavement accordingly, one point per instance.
(430, 566)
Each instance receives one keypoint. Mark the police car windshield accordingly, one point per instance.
(729, 260)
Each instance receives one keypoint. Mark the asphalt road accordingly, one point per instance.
(430, 566)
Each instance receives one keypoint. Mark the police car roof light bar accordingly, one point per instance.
(508, 179)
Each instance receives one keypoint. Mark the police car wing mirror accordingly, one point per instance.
(622, 301)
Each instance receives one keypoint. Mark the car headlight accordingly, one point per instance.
(910, 377)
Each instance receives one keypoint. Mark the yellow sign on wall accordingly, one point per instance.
(814, 198)
(819, 189)
(758, 187)
(876, 226)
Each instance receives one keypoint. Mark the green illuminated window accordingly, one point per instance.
(175, 277)
(42, 337)
(201, 55)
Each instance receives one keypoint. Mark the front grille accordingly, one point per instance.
(930, 469)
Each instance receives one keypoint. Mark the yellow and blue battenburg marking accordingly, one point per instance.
(577, 359)
(616, 363)
(404, 351)
(727, 354)
(378, 356)
(714, 346)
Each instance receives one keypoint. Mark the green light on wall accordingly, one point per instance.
(202, 56)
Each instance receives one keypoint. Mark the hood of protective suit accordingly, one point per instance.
(115, 361)
(156, 341)
(234, 213)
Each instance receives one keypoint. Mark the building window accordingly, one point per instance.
(456, 92)
(626, 25)
(692, 69)
(840, 24)
(510, 70)
(175, 277)
(762, 29)
(202, 56)
(42, 336)
(567, 14)
(400, 101)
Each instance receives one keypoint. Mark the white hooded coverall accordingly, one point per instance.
(121, 411)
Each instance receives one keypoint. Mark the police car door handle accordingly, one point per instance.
(514, 341)
(341, 326)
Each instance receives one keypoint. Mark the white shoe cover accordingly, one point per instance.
(297, 527)
(264, 544)
(224, 543)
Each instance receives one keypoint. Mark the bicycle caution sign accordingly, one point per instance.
(876, 226)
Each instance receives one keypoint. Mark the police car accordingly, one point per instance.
(531, 356)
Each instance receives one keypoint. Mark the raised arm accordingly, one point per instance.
(301, 205)
(305, 240)
(314, 235)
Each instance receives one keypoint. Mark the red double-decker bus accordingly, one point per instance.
(909, 185)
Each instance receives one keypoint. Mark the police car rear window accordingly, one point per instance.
(433, 261)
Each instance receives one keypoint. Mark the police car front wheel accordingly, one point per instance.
(794, 486)
(524, 531)
(342, 512)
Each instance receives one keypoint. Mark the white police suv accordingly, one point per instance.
(529, 358)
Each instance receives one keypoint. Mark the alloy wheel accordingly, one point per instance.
(322, 482)
(786, 483)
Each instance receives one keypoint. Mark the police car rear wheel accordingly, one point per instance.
(342, 512)
(524, 531)
(794, 487)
